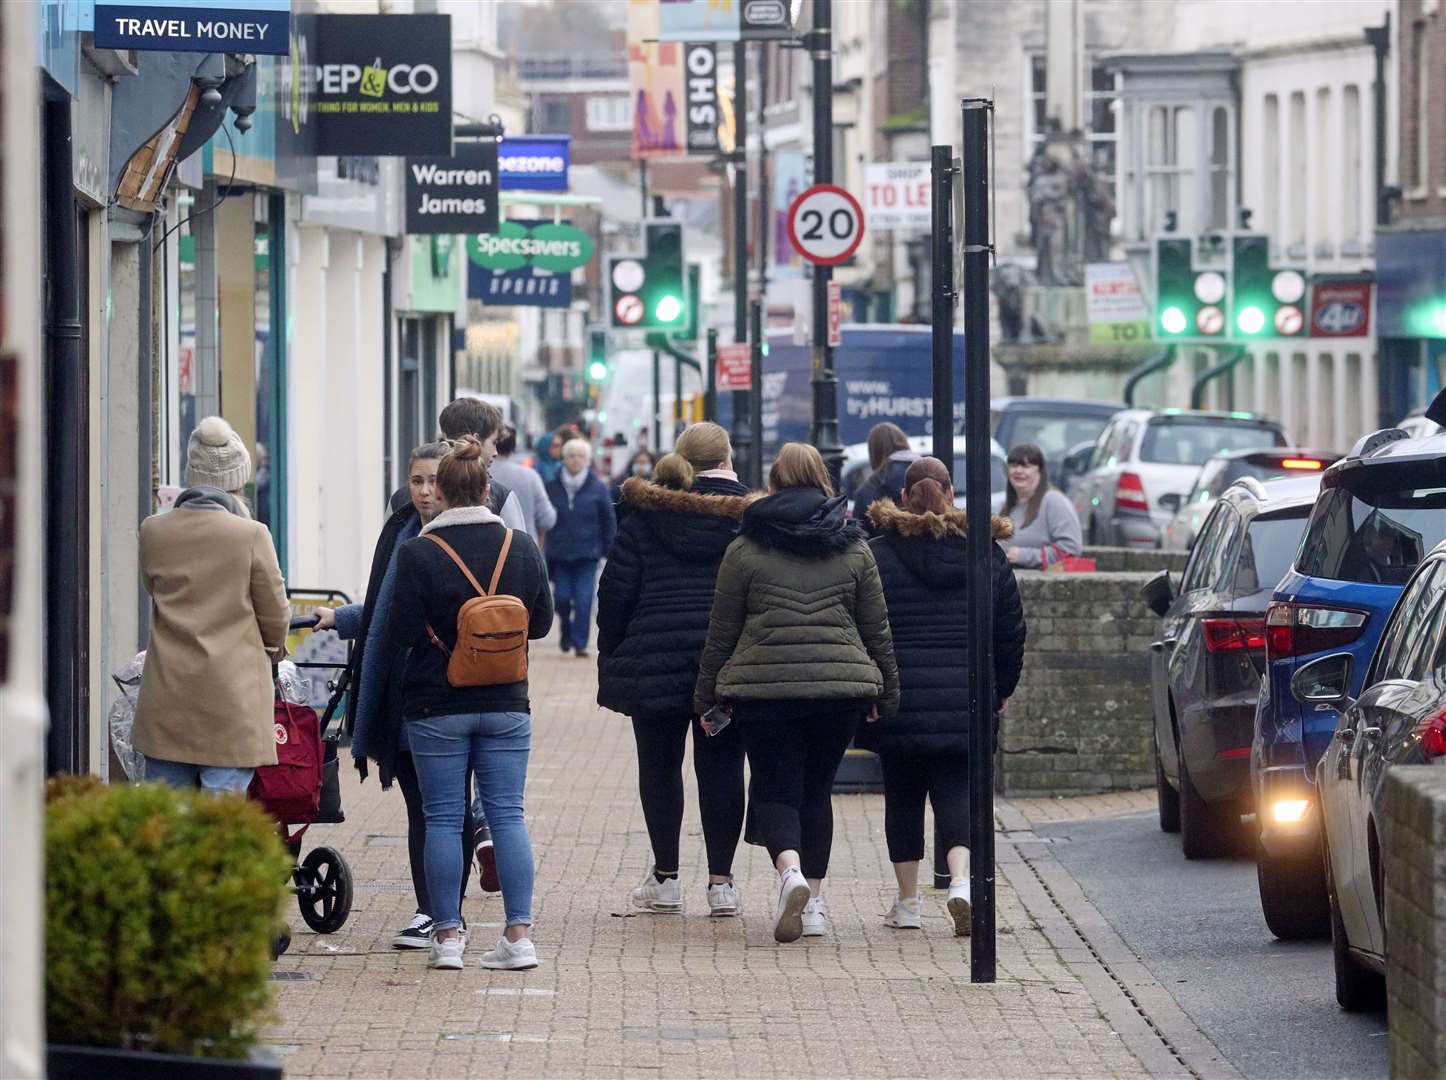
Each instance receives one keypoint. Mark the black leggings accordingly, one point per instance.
(794, 762)
(718, 765)
(908, 778)
(405, 771)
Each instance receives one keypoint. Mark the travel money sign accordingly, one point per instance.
(245, 26)
(543, 245)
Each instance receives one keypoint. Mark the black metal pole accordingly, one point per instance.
(657, 403)
(825, 383)
(980, 655)
(1379, 38)
(755, 395)
(643, 184)
(677, 389)
(742, 436)
(710, 378)
(764, 214)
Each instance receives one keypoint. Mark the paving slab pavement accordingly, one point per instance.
(624, 994)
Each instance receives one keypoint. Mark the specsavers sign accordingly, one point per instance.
(241, 26)
(382, 84)
(544, 245)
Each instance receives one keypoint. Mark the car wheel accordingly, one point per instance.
(1358, 989)
(1205, 831)
(1292, 895)
(1167, 798)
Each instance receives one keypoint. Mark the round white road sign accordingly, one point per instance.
(1289, 320)
(825, 224)
(629, 310)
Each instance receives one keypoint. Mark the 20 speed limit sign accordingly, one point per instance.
(825, 224)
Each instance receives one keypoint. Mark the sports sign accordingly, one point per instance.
(242, 26)
(556, 248)
(896, 195)
(534, 162)
(1340, 308)
(456, 194)
(825, 224)
(735, 367)
(519, 288)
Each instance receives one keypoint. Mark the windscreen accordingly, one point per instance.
(1270, 546)
(1056, 433)
(1377, 537)
(1192, 443)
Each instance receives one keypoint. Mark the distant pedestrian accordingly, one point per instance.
(219, 618)
(799, 648)
(922, 552)
(584, 531)
(538, 514)
(653, 605)
(459, 713)
(374, 710)
(547, 460)
(889, 457)
(1046, 527)
(639, 465)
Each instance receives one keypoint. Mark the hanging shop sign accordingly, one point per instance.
(382, 84)
(1114, 304)
(1340, 307)
(534, 162)
(543, 245)
(700, 73)
(724, 20)
(896, 195)
(238, 26)
(519, 288)
(735, 367)
(456, 194)
(674, 88)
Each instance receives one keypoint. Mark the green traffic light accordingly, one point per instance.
(1172, 320)
(597, 371)
(669, 309)
(1250, 320)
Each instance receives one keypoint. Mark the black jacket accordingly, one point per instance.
(431, 590)
(656, 592)
(887, 483)
(923, 561)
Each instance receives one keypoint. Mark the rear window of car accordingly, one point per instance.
(996, 474)
(1056, 433)
(1187, 442)
(1376, 537)
(1262, 471)
(1270, 546)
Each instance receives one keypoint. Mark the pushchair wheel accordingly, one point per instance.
(323, 890)
(281, 942)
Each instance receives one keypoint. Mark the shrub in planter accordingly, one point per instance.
(160, 908)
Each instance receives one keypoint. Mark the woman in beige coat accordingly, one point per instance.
(219, 618)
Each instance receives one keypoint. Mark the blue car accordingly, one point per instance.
(1381, 509)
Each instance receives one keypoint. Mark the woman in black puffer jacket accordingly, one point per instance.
(923, 553)
(653, 605)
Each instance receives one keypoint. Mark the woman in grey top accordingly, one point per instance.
(1046, 528)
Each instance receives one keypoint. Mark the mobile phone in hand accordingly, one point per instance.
(716, 719)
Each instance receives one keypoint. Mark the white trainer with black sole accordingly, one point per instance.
(906, 914)
(960, 910)
(661, 897)
(417, 934)
(722, 899)
(793, 897)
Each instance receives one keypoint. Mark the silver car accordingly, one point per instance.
(856, 468)
(1135, 477)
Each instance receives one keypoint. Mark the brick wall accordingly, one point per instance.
(1138, 560)
(1080, 721)
(1428, 201)
(1413, 837)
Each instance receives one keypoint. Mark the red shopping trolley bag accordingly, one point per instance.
(290, 790)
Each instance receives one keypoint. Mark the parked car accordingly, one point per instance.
(1131, 481)
(1418, 425)
(856, 468)
(1381, 509)
(1205, 668)
(1224, 469)
(1398, 719)
(1055, 425)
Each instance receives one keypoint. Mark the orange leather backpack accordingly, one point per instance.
(491, 630)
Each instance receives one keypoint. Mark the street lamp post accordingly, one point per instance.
(824, 432)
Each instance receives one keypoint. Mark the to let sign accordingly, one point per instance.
(896, 195)
(735, 367)
(1114, 305)
(456, 194)
(1340, 308)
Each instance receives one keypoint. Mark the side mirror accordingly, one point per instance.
(1170, 501)
(1325, 681)
(1158, 594)
(1078, 459)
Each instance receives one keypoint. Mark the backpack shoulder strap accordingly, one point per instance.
(501, 558)
(458, 560)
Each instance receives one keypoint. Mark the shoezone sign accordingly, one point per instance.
(825, 224)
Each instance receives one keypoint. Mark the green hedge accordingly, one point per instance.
(160, 909)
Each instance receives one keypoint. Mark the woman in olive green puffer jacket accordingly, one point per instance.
(799, 650)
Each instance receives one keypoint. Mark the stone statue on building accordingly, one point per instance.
(1070, 209)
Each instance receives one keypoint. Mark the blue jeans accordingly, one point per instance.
(574, 584)
(215, 779)
(494, 746)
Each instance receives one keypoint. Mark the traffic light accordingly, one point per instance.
(597, 355)
(1267, 301)
(1188, 302)
(648, 290)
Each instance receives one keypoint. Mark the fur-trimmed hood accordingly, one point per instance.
(886, 516)
(648, 497)
(695, 525)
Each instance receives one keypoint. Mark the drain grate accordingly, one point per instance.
(291, 976)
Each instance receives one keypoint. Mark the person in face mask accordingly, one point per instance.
(639, 465)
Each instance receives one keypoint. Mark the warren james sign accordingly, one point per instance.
(382, 84)
(243, 26)
(534, 162)
(456, 194)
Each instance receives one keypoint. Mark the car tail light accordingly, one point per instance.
(1301, 629)
(1233, 635)
(1302, 464)
(1433, 736)
(1130, 493)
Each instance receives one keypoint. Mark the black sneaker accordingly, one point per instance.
(417, 934)
(565, 646)
(582, 654)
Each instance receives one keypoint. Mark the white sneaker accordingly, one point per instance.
(447, 955)
(722, 899)
(793, 897)
(960, 909)
(815, 922)
(906, 914)
(510, 955)
(663, 897)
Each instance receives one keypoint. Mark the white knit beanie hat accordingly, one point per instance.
(216, 456)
